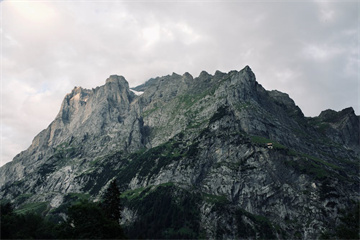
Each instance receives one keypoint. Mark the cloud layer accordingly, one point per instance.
(308, 49)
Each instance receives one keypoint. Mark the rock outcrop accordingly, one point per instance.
(247, 159)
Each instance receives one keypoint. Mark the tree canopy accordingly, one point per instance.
(111, 203)
(85, 220)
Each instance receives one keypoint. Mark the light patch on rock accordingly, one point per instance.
(56, 201)
(76, 97)
(128, 216)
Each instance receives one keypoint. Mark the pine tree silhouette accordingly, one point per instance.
(111, 202)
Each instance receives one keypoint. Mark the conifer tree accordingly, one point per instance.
(111, 202)
(87, 220)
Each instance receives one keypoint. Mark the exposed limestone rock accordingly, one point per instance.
(205, 137)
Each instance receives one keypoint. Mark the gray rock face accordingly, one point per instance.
(206, 135)
(343, 126)
(90, 123)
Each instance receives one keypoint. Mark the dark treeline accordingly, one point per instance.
(84, 220)
(160, 218)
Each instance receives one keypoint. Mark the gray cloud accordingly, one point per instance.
(308, 49)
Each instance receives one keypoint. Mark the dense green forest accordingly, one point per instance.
(84, 220)
(162, 218)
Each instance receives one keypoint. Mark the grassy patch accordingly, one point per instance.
(196, 124)
(78, 197)
(62, 154)
(187, 101)
(96, 161)
(149, 111)
(318, 160)
(242, 106)
(132, 194)
(263, 141)
(142, 192)
(150, 162)
(22, 198)
(311, 167)
(209, 198)
(37, 207)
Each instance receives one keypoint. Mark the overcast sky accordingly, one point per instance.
(308, 49)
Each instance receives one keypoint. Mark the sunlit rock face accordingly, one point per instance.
(247, 159)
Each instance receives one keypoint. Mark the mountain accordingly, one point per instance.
(216, 156)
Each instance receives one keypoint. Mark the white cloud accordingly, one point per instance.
(151, 35)
(321, 52)
(25, 112)
(286, 75)
(326, 13)
(31, 11)
(189, 35)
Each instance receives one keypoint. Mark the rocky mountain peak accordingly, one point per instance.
(283, 99)
(330, 115)
(174, 74)
(204, 75)
(77, 91)
(232, 155)
(219, 74)
(117, 79)
(247, 74)
(188, 76)
(342, 126)
(247, 69)
(327, 114)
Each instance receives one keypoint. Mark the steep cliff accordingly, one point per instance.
(217, 156)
